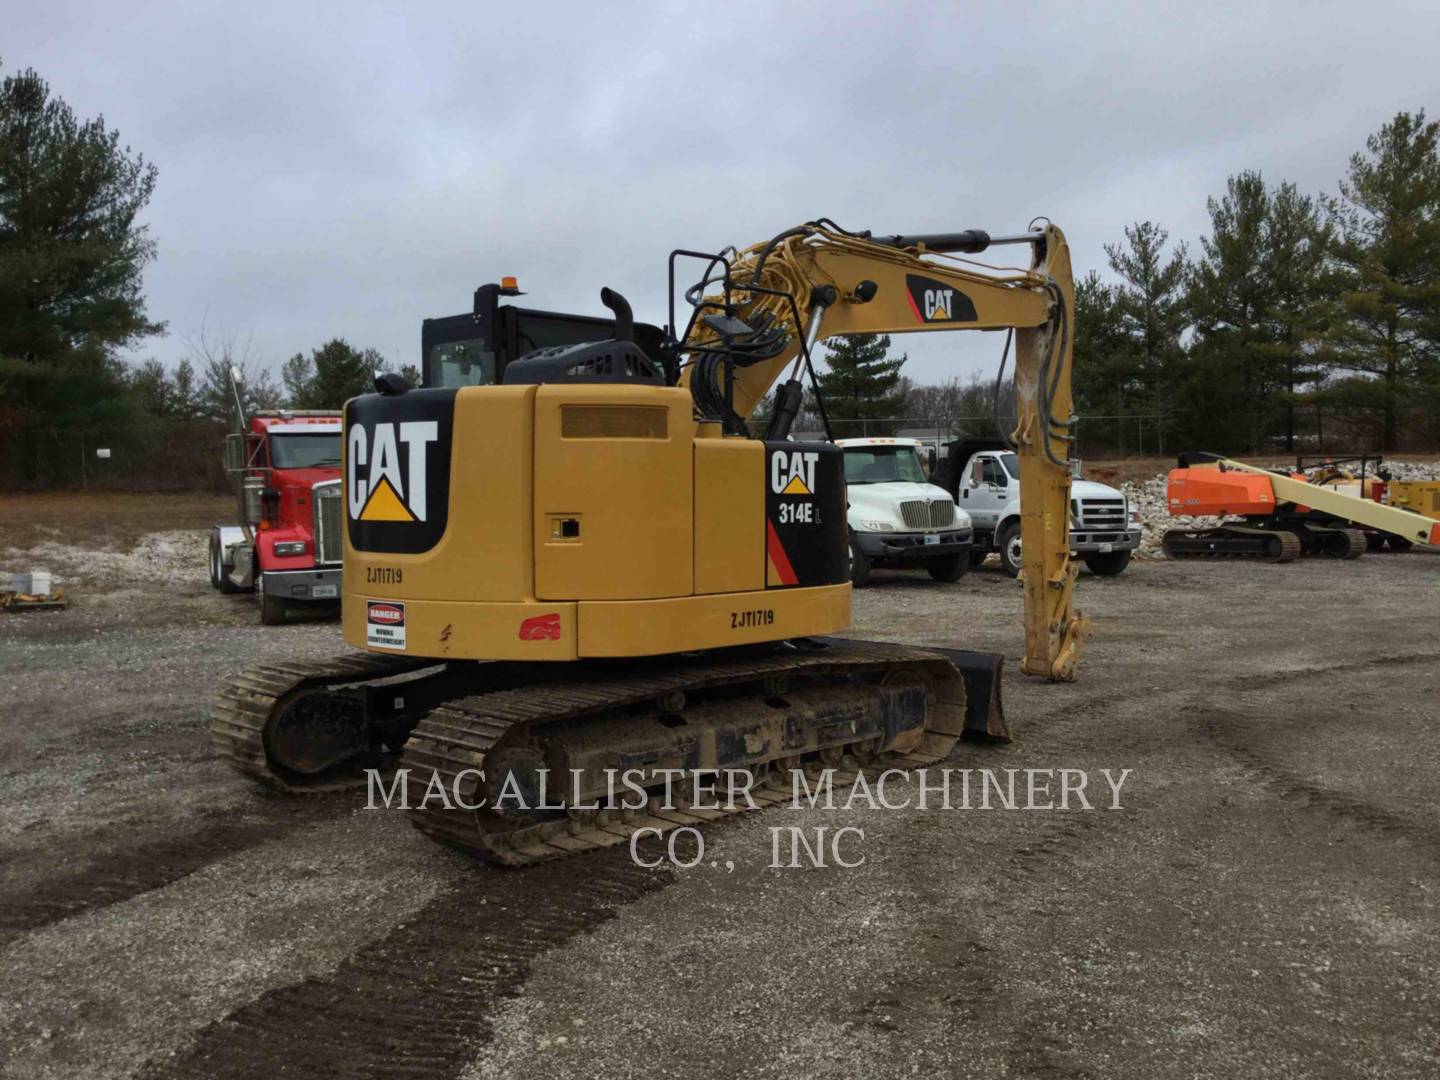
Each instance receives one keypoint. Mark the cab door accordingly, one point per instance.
(984, 490)
(614, 506)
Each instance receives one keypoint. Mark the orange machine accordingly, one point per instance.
(1205, 491)
(1280, 515)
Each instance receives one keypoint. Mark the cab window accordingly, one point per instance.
(312, 450)
(992, 473)
(461, 363)
(882, 465)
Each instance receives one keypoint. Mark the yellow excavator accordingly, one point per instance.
(566, 557)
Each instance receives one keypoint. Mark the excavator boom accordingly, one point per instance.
(844, 283)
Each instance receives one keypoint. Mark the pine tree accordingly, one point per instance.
(1297, 243)
(72, 255)
(1150, 302)
(1385, 322)
(861, 385)
(153, 389)
(331, 375)
(185, 393)
(1255, 297)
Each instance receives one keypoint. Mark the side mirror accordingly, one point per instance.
(977, 471)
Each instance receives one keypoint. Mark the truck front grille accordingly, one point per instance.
(328, 522)
(928, 514)
(1101, 513)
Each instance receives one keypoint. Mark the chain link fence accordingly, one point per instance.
(159, 456)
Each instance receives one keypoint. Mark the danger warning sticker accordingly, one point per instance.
(385, 624)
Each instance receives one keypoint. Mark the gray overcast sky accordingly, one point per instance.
(350, 169)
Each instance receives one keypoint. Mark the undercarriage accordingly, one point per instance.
(1278, 539)
(527, 762)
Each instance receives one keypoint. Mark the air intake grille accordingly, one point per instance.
(328, 545)
(1102, 513)
(614, 422)
(922, 514)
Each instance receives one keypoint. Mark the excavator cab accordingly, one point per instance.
(476, 348)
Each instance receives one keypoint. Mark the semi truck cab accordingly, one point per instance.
(287, 546)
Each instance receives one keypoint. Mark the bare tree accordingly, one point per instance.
(214, 355)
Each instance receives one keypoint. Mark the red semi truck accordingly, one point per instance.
(287, 547)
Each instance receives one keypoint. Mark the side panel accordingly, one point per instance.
(484, 553)
(729, 515)
(1204, 490)
(397, 469)
(651, 627)
(805, 539)
(613, 514)
(1418, 496)
(470, 630)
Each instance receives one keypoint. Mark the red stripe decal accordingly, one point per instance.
(916, 310)
(776, 551)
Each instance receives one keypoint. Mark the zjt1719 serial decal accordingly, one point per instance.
(743, 620)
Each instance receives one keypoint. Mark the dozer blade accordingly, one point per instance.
(984, 711)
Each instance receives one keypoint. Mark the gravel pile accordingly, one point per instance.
(1149, 496)
(1413, 470)
(159, 558)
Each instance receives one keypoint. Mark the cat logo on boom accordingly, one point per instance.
(938, 303)
(385, 470)
(793, 473)
(934, 301)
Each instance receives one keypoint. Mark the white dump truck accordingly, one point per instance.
(983, 477)
(898, 518)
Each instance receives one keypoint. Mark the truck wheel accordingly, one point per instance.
(1009, 545)
(978, 555)
(1107, 564)
(948, 567)
(272, 608)
(859, 566)
(219, 572)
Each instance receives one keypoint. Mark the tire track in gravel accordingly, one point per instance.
(419, 1000)
(1227, 731)
(979, 991)
(1279, 678)
(144, 865)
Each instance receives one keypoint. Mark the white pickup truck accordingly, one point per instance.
(898, 518)
(984, 478)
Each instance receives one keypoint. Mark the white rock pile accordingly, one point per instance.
(167, 557)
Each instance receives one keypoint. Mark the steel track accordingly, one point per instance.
(451, 741)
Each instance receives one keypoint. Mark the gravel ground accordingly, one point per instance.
(1266, 902)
